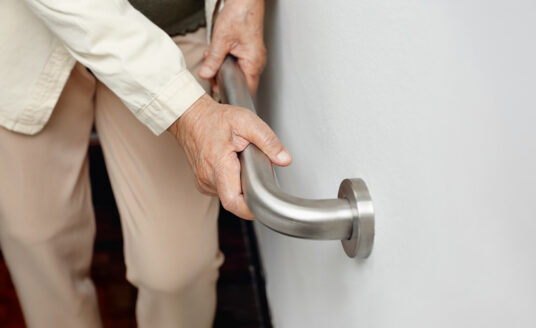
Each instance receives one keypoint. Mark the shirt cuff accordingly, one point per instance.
(169, 104)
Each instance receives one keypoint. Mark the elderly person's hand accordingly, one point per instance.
(211, 135)
(238, 31)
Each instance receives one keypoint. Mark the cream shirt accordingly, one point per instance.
(40, 41)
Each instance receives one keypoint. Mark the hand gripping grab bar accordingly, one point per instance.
(349, 218)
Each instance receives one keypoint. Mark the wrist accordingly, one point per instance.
(189, 115)
(243, 2)
(244, 6)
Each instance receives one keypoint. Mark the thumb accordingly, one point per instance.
(217, 51)
(256, 131)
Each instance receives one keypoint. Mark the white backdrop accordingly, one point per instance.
(433, 103)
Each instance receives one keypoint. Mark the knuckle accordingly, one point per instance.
(201, 188)
(219, 48)
(227, 114)
(262, 63)
(203, 177)
(228, 202)
(207, 193)
(213, 57)
(198, 186)
(270, 140)
(261, 55)
(239, 118)
(258, 58)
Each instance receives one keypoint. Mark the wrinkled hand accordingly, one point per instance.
(211, 134)
(238, 31)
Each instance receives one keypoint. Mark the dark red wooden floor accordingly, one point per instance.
(241, 296)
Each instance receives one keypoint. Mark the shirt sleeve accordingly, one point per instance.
(128, 53)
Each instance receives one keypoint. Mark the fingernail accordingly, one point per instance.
(283, 156)
(205, 71)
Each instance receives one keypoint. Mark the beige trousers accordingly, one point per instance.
(47, 223)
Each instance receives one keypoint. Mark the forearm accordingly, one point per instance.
(127, 52)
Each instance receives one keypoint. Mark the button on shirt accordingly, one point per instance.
(40, 41)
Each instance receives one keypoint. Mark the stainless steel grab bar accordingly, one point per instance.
(349, 218)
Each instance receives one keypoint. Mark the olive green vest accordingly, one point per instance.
(176, 17)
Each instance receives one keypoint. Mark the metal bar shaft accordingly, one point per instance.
(286, 214)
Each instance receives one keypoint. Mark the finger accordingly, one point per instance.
(252, 79)
(230, 189)
(253, 84)
(213, 82)
(239, 143)
(252, 61)
(205, 189)
(219, 48)
(252, 128)
(252, 75)
(214, 85)
(204, 179)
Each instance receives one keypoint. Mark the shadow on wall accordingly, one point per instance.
(269, 78)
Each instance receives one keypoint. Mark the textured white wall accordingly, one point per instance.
(433, 103)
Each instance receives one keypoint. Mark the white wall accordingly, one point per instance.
(433, 103)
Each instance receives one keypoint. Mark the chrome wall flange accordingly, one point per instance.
(362, 238)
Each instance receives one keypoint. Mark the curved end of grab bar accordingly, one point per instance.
(349, 218)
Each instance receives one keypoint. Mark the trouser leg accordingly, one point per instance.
(46, 216)
(170, 229)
